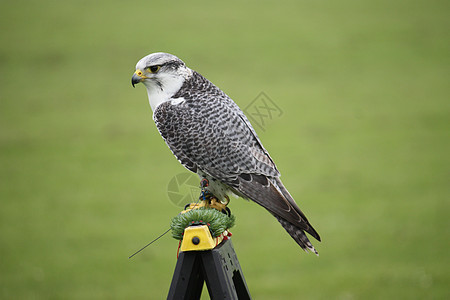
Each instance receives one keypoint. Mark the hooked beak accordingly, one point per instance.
(137, 77)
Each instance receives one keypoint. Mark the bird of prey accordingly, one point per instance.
(210, 135)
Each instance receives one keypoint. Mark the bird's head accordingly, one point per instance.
(159, 70)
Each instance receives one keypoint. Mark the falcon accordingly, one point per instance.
(210, 135)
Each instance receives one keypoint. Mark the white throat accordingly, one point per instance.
(164, 90)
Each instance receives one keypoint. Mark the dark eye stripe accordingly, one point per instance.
(172, 64)
(169, 65)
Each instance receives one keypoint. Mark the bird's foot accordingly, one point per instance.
(209, 200)
(214, 203)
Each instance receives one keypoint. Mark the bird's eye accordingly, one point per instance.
(154, 69)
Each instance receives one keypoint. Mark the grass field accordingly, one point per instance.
(362, 144)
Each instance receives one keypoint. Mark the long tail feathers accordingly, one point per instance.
(298, 235)
(273, 196)
(308, 228)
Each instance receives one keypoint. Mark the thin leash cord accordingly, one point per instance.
(150, 243)
(196, 203)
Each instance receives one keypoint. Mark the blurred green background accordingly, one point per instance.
(363, 144)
